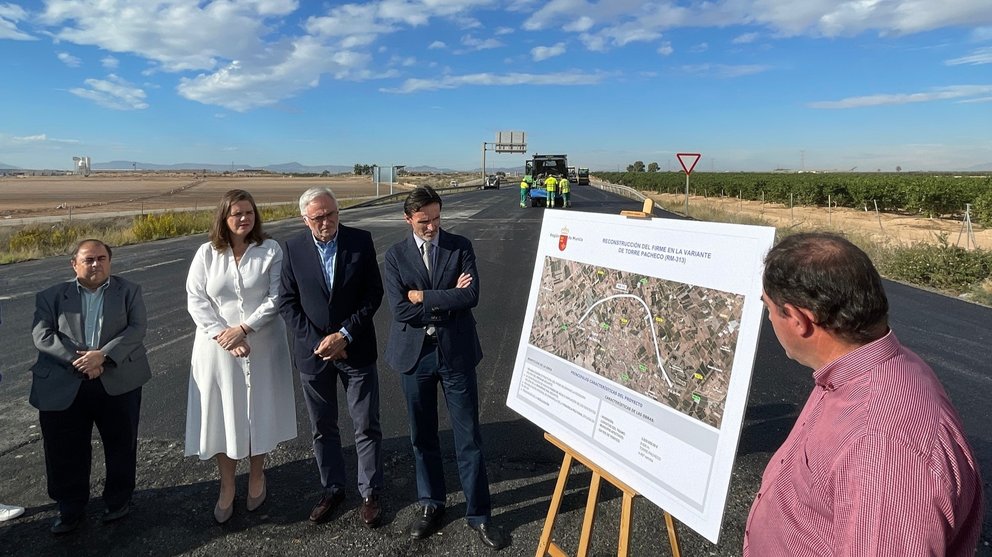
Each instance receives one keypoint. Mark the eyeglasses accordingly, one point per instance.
(321, 218)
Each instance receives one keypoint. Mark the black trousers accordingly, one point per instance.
(68, 449)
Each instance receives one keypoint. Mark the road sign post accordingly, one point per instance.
(683, 159)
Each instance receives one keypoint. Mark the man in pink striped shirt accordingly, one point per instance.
(877, 462)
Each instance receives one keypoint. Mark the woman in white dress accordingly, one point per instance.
(241, 402)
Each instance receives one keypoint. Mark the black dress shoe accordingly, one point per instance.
(491, 535)
(117, 514)
(65, 525)
(427, 521)
(325, 507)
(370, 511)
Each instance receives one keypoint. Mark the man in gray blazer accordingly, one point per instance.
(90, 369)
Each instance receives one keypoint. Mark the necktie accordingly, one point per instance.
(426, 249)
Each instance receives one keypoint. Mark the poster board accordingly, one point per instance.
(637, 349)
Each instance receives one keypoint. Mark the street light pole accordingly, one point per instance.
(484, 162)
(392, 175)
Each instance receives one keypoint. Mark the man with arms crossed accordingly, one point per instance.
(90, 369)
(432, 284)
(331, 289)
(877, 462)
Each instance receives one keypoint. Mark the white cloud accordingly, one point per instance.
(539, 53)
(10, 15)
(113, 92)
(490, 79)
(981, 34)
(69, 59)
(354, 23)
(725, 70)
(977, 56)
(746, 38)
(37, 138)
(938, 94)
(816, 18)
(701, 47)
(473, 43)
(243, 54)
(175, 34)
(405, 61)
(244, 85)
(580, 25)
(110, 62)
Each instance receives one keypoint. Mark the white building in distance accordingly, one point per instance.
(81, 165)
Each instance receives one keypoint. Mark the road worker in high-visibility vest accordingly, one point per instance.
(550, 184)
(524, 186)
(566, 190)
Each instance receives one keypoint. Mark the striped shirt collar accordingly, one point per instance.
(852, 365)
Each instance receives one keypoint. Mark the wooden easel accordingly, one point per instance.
(546, 547)
(644, 213)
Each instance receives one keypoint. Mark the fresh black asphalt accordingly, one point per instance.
(172, 513)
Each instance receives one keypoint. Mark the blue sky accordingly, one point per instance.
(750, 84)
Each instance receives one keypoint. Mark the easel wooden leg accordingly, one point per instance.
(586, 537)
(626, 514)
(673, 535)
(544, 547)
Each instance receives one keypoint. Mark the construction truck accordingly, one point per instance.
(536, 170)
(573, 176)
(583, 176)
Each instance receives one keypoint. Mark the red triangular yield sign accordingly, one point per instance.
(684, 157)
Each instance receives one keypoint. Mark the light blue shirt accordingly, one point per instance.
(328, 252)
(92, 302)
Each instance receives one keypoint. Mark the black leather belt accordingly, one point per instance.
(430, 339)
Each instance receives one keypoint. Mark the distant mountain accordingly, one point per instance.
(980, 167)
(290, 167)
(284, 168)
(424, 169)
(5, 166)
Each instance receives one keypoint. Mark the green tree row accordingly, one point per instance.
(930, 195)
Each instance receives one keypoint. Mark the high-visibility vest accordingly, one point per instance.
(523, 184)
(550, 183)
(564, 186)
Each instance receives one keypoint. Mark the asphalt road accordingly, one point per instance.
(173, 505)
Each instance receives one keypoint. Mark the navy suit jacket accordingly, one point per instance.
(58, 333)
(312, 312)
(448, 308)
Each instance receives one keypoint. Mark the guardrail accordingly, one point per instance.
(625, 191)
(386, 199)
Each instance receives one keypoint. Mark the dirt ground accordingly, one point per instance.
(882, 227)
(35, 196)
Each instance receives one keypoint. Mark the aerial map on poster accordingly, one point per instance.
(637, 350)
(669, 341)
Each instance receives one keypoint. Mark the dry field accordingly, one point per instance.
(37, 196)
(885, 228)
